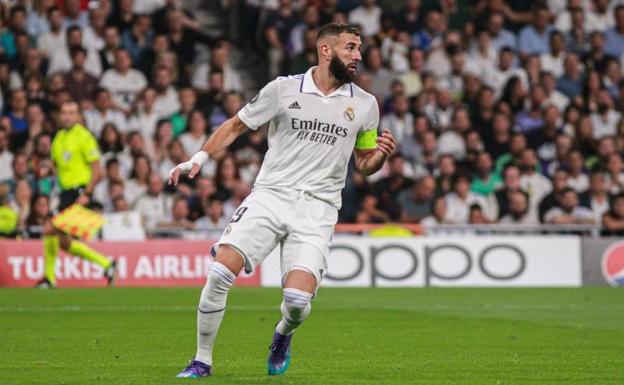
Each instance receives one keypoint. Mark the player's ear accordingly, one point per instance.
(324, 49)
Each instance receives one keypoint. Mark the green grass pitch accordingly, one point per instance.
(353, 336)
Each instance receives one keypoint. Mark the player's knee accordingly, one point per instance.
(296, 305)
(214, 294)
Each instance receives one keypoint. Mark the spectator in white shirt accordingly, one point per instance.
(458, 201)
(614, 173)
(139, 179)
(94, 32)
(219, 61)
(518, 209)
(597, 197)
(531, 181)
(552, 61)
(553, 96)
(54, 40)
(154, 205)
(6, 156)
(197, 134)
(368, 16)
(577, 178)
(214, 218)
(60, 60)
(438, 213)
(400, 121)
(167, 102)
(569, 211)
(123, 81)
(482, 57)
(605, 119)
(499, 75)
(144, 118)
(104, 112)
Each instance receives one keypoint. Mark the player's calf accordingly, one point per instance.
(295, 309)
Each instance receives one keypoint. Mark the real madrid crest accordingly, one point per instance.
(349, 114)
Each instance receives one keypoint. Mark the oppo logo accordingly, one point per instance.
(443, 262)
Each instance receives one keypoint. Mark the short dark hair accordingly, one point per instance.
(335, 29)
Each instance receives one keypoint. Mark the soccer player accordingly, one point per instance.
(316, 121)
(76, 156)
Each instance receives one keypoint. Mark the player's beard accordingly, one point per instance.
(340, 71)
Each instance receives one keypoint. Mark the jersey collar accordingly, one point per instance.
(309, 87)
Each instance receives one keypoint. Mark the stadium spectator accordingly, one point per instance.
(22, 197)
(367, 15)
(214, 218)
(577, 178)
(197, 132)
(154, 205)
(486, 181)
(138, 37)
(533, 182)
(167, 102)
(533, 39)
(112, 174)
(103, 112)
(458, 201)
(613, 220)
(568, 211)
(570, 84)
(438, 213)
(614, 44)
(552, 199)
(6, 157)
(94, 32)
(380, 77)
(122, 81)
(370, 212)
(139, 179)
(596, 198)
(411, 79)
(614, 173)
(517, 210)
(54, 39)
(60, 60)
(178, 216)
(188, 102)
(143, 117)
(416, 202)
(80, 84)
(112, 41)
(16, 113)
(40, 211)
(399, 121)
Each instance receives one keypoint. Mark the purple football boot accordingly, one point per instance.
(195, 369)
(279, 358)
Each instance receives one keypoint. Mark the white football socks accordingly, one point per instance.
(295, 309)
(211, 309)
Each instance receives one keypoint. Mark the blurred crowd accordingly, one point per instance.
(505, 111)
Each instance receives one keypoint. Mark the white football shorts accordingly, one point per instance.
(301, 224)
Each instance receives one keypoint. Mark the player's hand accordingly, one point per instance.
(83, 199)
(386, 143)
(188, 168)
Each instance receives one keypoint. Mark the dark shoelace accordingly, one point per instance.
(280, 350)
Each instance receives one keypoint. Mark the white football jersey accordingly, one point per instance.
(311, 135)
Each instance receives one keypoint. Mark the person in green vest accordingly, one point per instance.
(76, 156)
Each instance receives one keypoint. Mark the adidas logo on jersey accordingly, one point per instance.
(295, 106)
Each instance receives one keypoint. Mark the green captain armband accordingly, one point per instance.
(366, 140)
